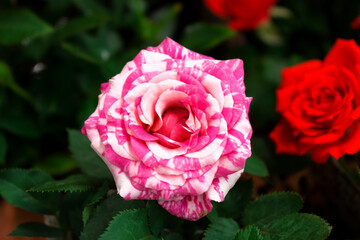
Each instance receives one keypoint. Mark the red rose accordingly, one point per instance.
(242, 14)
(320, 105)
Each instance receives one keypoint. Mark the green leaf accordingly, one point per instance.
(235, 201)
(103, 214)
(271, 69)
(164, 20)
(114, 66)
(270, 207)
(3, 148)
(36, 229)
(88, 209)
(37, 48)
(104, 45)
(13, 186)
(203, 36)
(159, 218)
(256, 166)
(249, 233)
(57, 164)
(6, 76)
(71, 207)
(17, 25)
(222, 229)
(79, 52)
(138, 6)
(74, 183)
(7, 79)
(79, 25)
(24, 126)
(129, 224)
(57, 7)
(298, 226)
(96, 49)
(89, 7)
(87, 159)
(173, 236)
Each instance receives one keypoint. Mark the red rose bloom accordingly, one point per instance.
(242, 14)
(320, 105)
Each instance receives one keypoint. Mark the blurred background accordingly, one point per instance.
(55, 54)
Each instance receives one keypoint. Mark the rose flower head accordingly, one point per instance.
(319, 102)
(242, 14)
(173, 126)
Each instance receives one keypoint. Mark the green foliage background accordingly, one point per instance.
(55, 54)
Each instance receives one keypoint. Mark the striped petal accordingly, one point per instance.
(173, 126)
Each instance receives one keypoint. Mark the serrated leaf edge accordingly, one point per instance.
(268, 195)
(276, 193)
(251, 225)
(86, 188)
(119, 214)
(329, 227)
(211, 224)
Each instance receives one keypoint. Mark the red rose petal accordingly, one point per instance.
(217, 7)
(295, 74)
(242, 14)
(285, 142)
(348, 144)
(344, 53)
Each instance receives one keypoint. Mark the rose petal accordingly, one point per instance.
(344, 53)
(176, 51)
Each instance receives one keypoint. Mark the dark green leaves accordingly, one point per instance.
(297, 226)
(24, 127)
(15, 182)
(36, 229)
(271, 217)
(249, 233)
(89, 7)
(222, 229)
(277, 218)
(88, 209)
(96, 49)
(7, 79)
(159, 219)
(256, 166)
(17, 25)
(129, 224)
(74, 183)
(202, 36)
(57, 164)
(89, 162)
(79, 25)
(272, 206)
(235, 201)
(79, 52)
(3, 148)
(103, 214)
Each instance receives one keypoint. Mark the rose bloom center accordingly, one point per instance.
(171, 125)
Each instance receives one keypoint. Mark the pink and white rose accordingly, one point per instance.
(173, 126)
